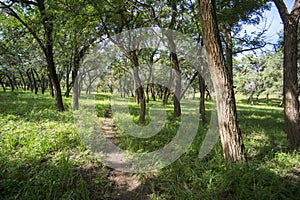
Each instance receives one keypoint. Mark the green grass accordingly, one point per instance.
(272, 171)
(42, 156)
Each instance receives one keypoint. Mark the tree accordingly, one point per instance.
(232, 15)
(174, 61)
(77, 32)
(231, 138)
(259, 75)
(290, 78)
(127, 16)
(14, 9)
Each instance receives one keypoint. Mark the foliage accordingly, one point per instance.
(42, 156)
(260, 74)
(272, 171)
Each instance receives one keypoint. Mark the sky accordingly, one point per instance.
(273, 22)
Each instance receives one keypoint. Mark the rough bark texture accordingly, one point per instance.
(290, 79)
(48, 51)
(175, 62)
(34, 82)
(202, 99)
(50, 85)
(177, 79)
(139, 90)
(233, 147)
(228, 38)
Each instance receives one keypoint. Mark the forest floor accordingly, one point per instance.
(126, 185)
(44, 157)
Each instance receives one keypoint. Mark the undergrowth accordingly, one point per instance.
(41, 154)
(43, 157)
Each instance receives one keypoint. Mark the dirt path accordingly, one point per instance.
(127, 185)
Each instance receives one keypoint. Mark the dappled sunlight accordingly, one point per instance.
(47, 150)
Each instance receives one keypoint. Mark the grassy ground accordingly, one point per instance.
(42, 156)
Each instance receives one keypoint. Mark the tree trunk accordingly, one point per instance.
(177, 79)
(48, 51)
(166, 95)
(75, 95)
(290, 79)
(174, 61)
(153, 92)
(160, 92)
(250, 97)
(139, 90)
(147, 93)
(23, 80)
(43, 84)
(231, 138)
(167, 91)
(228, 50)
(50, 86)
(189, 84)
(55, 81)
(15, 82)
(75, 80)
(290, 83)
(30, 79)
(68, 84)
(10, 82)
(34, 82)
(3, 86)
(202, 99)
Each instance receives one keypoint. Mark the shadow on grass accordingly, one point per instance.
(31, 107)
(213, 179)
(56, 177)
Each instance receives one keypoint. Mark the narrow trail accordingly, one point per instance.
(127, 185)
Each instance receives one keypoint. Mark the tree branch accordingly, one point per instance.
(25, 2)
(283, 11)
(11, 12)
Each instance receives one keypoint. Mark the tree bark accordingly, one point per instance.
(177, 79)
(48, 50)
(290, 79)
(147, 92)
(166, 95)
(202, 99)
(153, 92)
(31, 85)
(50, 85)
(10, 82)
(189, 84)
(174, 61)
(3, 86)
(68, 84)
(75, 95)
(75, 91)
(231, 138)
(139, 90)
(167, 91)
(34, 82)
(23, 80)
(43, 83)
(228, 51)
